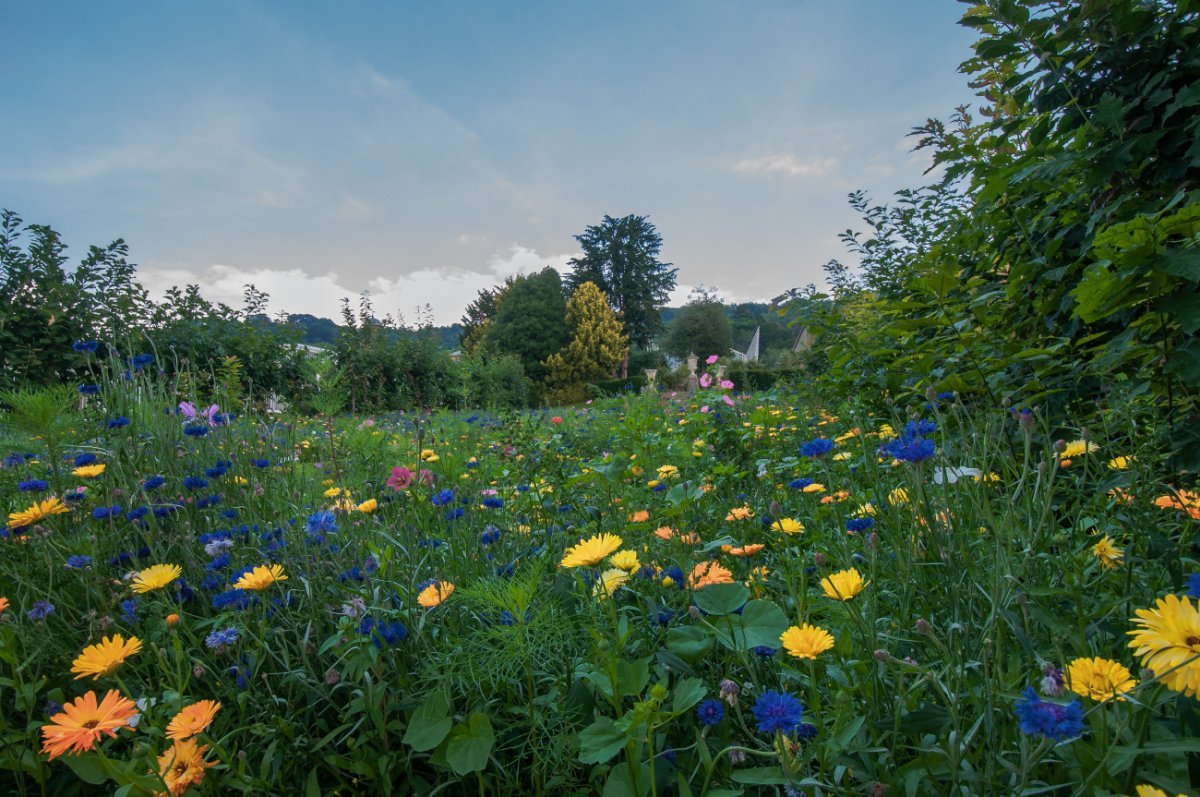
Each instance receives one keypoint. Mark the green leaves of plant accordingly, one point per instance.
(470, 744)
(429, 724)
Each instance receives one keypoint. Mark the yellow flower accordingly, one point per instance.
(427, 455)
(105, 657)
(1100, 679)
(898, 496)
(843, 585)
(434, 594)
(1146, 790)
(590, 551)
(261, 577)
(368, 506)
(1078, 447)
(788, 525)
(841, 456)
(1108, 554)
(89, 471)
(625, 560)
(667, 472)
(740, 513)
(39, 511)
(1168, 642)
(183, 766)
(814, 488)
(155, 577)
(608, 582)
(193, 719)
(806, 641)
(334, 492)
(1120, 463)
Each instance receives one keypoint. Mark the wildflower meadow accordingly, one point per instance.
(722, 594)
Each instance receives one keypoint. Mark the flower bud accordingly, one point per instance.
(332, 676)
(923, 626)
(729, 692)
(1060, 446)
(819, 559)
(172, 620)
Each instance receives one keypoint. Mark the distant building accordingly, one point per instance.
(750, 355)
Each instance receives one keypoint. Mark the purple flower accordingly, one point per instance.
(777, 711)
(1039, 717)
(710, 712)
(40, 611)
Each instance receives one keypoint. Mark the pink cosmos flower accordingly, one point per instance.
(712, 358)
(401, 479)
(704, 408)
(190, 413)
(705, 380)
(727, 400)
(726, 384)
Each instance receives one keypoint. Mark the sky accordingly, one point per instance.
(421, 152)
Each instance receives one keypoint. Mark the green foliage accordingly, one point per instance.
(597, 344)
(491, 381)
(531, 322)
(702, 328)
(620, 256)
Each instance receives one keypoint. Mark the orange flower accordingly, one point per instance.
(746, 550)
(435, 593)
(708, 573)
(740, 513)
(81, 723)
(3, 604)
(640, 516)
(664, 532)
(192, 719)
(183, 766)
(1183, 500)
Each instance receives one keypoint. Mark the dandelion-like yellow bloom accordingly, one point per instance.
(667, 472)
(193, 719)
(428, 455)
(788, 525)
(81, 723)
(89, 471)
(625, 560)
(39, 511)
(1168, 642)
(1100, 679)
(708, 573)
(261, 577)
(183, 766)
(435, 594)
(740, 513)
(155, 577)
(608, 582)
(368, 506)
(816, 487)
(334, 492)
(590, 551)
(1120, 463)
(1146, 790)
(1077, 448)
(1108, 554)
(843, 585)
(105, 656)
(806, 641)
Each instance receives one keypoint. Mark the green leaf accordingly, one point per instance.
(430, 723)
(760, 776)
(470, 744)
(633, 674)
(86, 768)
(760, 623)
(687, 693)
(602, 740)
(721, 599)
(1183, 263)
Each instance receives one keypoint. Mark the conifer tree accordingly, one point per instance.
(598, 342)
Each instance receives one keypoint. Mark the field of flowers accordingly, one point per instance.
(654, 595)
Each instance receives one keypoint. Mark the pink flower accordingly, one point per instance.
(190, 412)
(704, 408)
(712, 358)
(726, 384)
(401, 478)
(556, 420)
(727, 400)
(705, 380)
(425, 476)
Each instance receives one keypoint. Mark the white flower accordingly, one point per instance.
(952, 475)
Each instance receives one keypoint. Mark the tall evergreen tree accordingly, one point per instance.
(621, 257)
(598, 344)
(531, 322)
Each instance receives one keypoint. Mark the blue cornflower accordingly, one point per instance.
(777, 711)
(40, 611)
(800, 484)
(353, 574)
(140, 360)
(233, 599)
(154, 482)
(442, 497)
(492, 502)
(431, 542)
(165, 510)
(919, 428)
(764, 651)
(490, 535)
(118, 422)
(82, 346)
(196, 430)
(207, 501)
(89, 390)
(261, 463)
(323, 522)
(129, 611)
(215, 473)
(137, 513)
(817, 447)
(78, 561)
(909, 449)
(218, 562)
(1039, 717)
(382, 633)
(859, 523)
(1193, 585)
(195, 483)
(710, 712)
(105, 512)
(454, 514)
(221, 638)
(658, 488)
(33, 486)
(85, 458)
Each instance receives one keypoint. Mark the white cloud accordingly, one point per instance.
(788, 165)
(292, 290)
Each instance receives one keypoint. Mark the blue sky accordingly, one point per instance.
(424, 151)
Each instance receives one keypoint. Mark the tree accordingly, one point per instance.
(598, 344)
(700, 327)
(531, 322)
(621, 257)
(481, 313)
